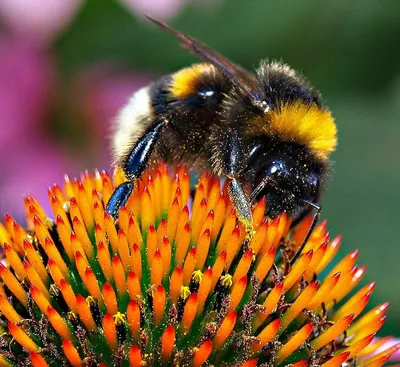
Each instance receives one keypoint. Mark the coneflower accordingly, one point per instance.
(174, 282)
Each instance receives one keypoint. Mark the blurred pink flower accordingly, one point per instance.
(39, 20)
(30, 156)
(25, 74)
(100, 93)
(27, 159)
(157, 8)
(32, 164)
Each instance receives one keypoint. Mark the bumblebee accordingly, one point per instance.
(268, 132)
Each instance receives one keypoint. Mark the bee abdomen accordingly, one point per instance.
(131, 123)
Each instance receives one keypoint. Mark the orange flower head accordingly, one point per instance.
(176, 282)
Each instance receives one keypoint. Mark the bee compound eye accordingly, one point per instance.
(313, 179)
(276, 168)
(312, 185)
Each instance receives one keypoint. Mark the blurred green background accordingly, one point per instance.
(348, 49)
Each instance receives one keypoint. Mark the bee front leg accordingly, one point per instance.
(234, 165)
(242, 205)
(133, 167)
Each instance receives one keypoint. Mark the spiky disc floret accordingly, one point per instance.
(175, 283)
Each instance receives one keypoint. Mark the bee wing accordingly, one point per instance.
(240, 77)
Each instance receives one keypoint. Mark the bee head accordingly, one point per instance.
(288, 175)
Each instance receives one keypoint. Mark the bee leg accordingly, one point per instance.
(317, 214)
(241, 203)
(133, 167)
(119, 198)
(234, 164)
(300, 218)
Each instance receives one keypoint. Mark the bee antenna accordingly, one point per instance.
(317, 214)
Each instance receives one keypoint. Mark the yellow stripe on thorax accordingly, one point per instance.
(186, 81)
(309, 125)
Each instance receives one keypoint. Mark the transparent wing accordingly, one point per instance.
(245, 81)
